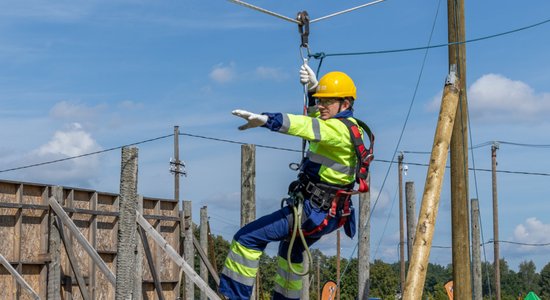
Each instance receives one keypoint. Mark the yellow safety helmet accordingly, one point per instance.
(336, 85)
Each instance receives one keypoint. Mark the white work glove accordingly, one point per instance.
(254, 120)
(307, 76)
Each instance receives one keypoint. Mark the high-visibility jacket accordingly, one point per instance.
(331, 156)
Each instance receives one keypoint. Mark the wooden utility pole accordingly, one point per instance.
(462, 287)
(176, 168)
(418, 265)
(401, 225)
(126, 242)
(476, 252)
(410, 196)
(494, 149)
(338, 264)
(363, 252)
(248, 193)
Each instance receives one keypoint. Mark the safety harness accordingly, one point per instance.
(340, 200)
(326, 197)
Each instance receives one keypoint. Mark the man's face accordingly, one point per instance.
(329, 107)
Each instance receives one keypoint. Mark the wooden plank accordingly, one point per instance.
(54, 250)
(204, 258)
(66, 265)
(176, 257)
(18, 277)
(149, 255)
(138, 280)
(93, 242)
(72, 261)
(82, 240)
(44, 256)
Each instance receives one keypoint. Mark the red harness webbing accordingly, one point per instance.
(364, 157)
(345, 212)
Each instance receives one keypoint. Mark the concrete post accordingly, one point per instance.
(126, 241)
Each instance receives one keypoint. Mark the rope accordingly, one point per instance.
(346, 11)
(435, 46)
(265, 11)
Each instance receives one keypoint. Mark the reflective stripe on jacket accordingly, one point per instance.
(331, 155)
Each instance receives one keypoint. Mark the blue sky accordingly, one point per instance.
(77, 77)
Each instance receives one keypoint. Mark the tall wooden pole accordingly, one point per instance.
(318, 278)
(494, 149)
(188, 250)
(476, 252)
(418, 265)
(410, 196)
(248, 192)
(338, 264)
(177, 162)
(304, 294)
(204, 246)
(462, 288)
(401, 225)
(363, 254)
(174, 168)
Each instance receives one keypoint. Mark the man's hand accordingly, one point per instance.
(254, 120)
(307, 77)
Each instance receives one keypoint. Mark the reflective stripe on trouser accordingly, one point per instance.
(287, 284)
(241, 266)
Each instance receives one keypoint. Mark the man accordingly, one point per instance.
(328, 170)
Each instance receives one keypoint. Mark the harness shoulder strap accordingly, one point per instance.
(364, 155)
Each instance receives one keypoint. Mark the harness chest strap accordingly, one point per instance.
(364, 155)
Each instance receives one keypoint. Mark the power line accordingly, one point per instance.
(259, 146)
(84, 155)
(322, 54)
(522, 244)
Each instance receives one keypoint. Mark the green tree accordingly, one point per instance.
(544, 282)
(384, 280)
(528, 277)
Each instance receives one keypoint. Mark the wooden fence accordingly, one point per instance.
(25, 228)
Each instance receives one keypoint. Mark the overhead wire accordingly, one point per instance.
(85, 154)
(256, 145)
(322, 54)
(386, 224)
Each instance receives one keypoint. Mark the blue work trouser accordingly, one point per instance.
(255, 236)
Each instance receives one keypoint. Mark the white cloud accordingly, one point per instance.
(73, 141)
(223, 74)
(494, 97)
(270, 73)
(532, 231)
